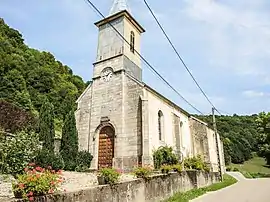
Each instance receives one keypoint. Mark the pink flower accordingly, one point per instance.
(52, 182)
(26, 169)
(30, 194)
(50, 191)
(39, 168)
(31, 164)
(31, 198)
(49, 167)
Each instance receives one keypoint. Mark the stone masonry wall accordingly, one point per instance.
(158, 188)
(200, 139)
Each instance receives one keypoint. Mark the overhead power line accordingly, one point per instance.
(177, 53)
(144, 60)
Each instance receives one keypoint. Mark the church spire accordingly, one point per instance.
(119, 5)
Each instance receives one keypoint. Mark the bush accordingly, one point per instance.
(177, 168)
(46, 158)
(69, 141)
(164, 155)
(143, 172)
(110, 175)
(83, 161)
(165, 169)
(196, 163)
(235, 169)
(36, 181)
(228, 168)
(16, 152)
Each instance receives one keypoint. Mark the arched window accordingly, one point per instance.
(132, 42)
(160, 125)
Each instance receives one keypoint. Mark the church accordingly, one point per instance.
(120, 119)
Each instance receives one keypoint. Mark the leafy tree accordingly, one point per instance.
(239, 135)
(29, 76)
(69, 141)
(46, 126)
(263, 122)
(14, 119)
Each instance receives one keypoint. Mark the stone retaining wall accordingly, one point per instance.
(158, 188)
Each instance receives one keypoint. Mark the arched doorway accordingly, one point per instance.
(106, 147)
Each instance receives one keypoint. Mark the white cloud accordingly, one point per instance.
(255, 94)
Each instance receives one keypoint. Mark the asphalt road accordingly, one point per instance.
(245, 190)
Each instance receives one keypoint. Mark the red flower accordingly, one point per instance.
(21, 185)
(30, 194)
(52, 182)
(50, 191)
(39, 168)
(34, 171)
(31, 198)
(59, 172)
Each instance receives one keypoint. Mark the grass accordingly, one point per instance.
(194, 193)
(254, 168)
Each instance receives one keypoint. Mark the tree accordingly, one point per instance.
(46, 126)
(69, 142)
(263, 122)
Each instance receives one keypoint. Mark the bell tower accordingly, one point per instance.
(109, 111)
(122, 45)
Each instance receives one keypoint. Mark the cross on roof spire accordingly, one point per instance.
(119, 5)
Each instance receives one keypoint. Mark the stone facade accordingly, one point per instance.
(141, 119)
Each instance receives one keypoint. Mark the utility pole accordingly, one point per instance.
(216, 136)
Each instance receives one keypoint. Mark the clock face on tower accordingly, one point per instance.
(106, 74)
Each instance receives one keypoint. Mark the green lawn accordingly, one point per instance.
(194, 193)
(255, 165)
(254, 168)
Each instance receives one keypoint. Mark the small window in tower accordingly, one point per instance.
(132, 42)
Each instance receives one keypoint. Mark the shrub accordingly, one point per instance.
(46, 126)
(36, 181)
(69, 141)
(235, 169)
(228, 168)
(83, 160)
(196, 163)
(143, 172)
(165, 169)
(177, 168)
(110, 175)
(164, 155)
(46, 158)
(16, 152)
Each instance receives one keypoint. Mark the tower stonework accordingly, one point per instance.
(112, 101)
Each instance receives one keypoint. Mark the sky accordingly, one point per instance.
(225, 44)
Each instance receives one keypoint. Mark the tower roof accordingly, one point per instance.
(119, 5)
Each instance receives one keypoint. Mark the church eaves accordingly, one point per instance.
(119, 5)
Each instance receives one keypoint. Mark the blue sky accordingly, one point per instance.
(225, 43)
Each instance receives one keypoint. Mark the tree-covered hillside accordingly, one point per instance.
(239, 135)
(29, 76)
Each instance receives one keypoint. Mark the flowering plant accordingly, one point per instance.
(143, 172)
(111, 176)
(36, 181)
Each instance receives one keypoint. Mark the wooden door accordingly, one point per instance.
(106, 148)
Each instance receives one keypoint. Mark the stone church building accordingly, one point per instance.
(120, 119)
